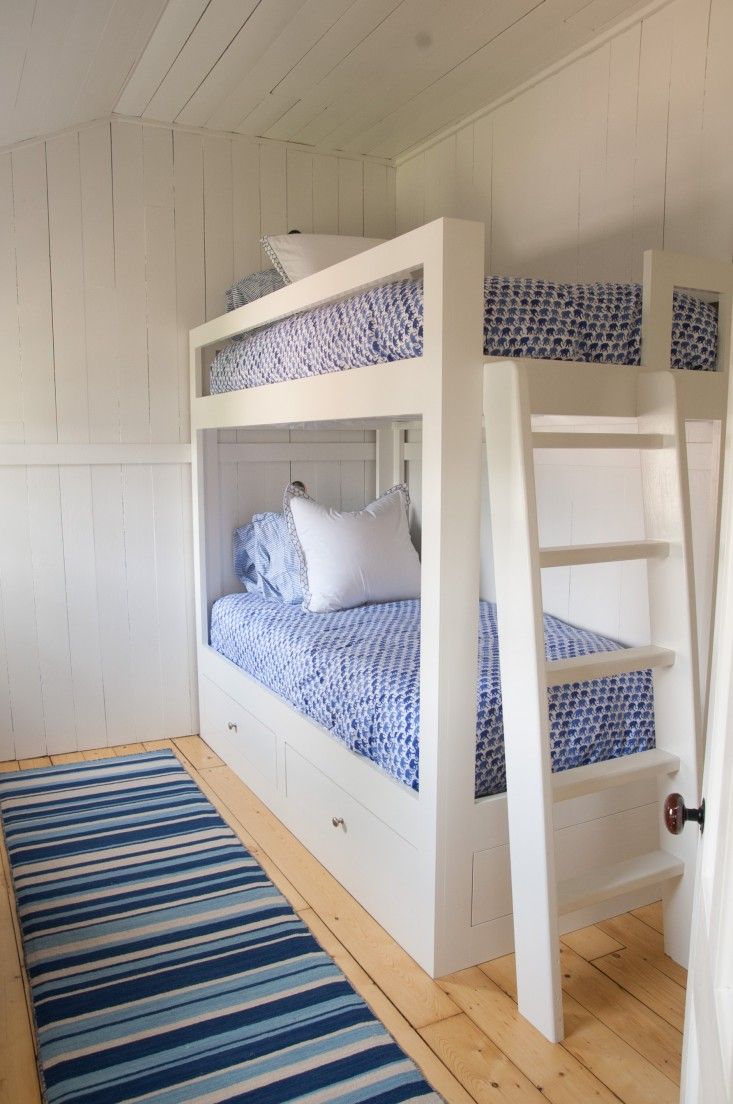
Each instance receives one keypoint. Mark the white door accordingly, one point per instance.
(707, 1065)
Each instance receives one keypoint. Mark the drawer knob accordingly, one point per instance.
(338, 822)
(232, 727)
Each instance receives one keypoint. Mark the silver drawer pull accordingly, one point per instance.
(338, 822)
(232, 727)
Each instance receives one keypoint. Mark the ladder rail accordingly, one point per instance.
(522, 662)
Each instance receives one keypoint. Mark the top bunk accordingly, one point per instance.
(375, 322)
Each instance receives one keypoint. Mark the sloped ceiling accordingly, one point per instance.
(364, 76)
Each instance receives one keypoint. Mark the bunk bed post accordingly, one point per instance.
(524, 695)
(451, 452)
(206, 512)
(390, 457)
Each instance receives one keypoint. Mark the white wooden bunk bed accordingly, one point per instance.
(433, 866)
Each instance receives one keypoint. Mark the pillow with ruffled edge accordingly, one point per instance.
(353, 558)
(296, 256)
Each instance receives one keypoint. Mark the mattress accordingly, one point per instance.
(522, 318)
(357, 673)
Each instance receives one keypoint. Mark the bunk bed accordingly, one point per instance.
(456, 869)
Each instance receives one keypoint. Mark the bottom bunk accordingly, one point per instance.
(351, 796)
(356, 673)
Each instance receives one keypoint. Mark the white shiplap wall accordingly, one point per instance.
(627, 148)
(114, 240)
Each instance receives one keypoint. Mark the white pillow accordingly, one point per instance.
(348, 559)
(298, 255)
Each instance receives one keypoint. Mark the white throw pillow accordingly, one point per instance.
(348, 559)
(298, 255)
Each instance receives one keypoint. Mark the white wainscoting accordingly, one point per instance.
(626, 149)
(115, 239)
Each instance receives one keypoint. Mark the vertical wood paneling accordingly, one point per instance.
(82, 606)
(246, 201)
(114, 241)
(114, 628)
(130, 281)
(273, 190)
(34, 292)
(171, 620)
(52, 626)
(188, 172)
(67, 286)
(300, 191)
(16, 575)
(627, 148)
(326, 195)
(141, 581)
(351, 197)
(100, 298)
(161, 285)
(716, 219)
(652, 119)
(218, 223)
(11, 395)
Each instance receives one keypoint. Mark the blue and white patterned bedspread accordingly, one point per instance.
(357, 673)
(527, 318)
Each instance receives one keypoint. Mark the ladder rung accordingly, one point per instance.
(595, 777)
(546, 439)
(613, 881)
(595, 665)
(571, 554)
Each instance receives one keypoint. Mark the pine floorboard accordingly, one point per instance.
(623, 997)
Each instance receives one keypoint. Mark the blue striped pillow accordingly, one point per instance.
(265, 560)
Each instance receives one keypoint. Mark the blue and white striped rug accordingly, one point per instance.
(164, 965)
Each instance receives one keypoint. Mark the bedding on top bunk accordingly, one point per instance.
(527, 318)
(357, 673)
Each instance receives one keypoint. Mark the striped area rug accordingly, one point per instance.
(164, 965)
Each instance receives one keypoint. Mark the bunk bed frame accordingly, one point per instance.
(454, 879)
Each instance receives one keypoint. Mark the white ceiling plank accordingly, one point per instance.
(175, 25)
(302, 34)
(126, 35)
(392, 44)
(17, 23)
(504, 63)
(451, 44)
(266, 115)
(218, 25)
(257, 35)
(597, 14)
(362, 76)
(57, 84)
(41, 57)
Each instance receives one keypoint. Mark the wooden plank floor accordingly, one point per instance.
(624, 999)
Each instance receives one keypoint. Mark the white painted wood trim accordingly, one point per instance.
(548, 439)
(52, 454)
(612, 772)
(624, 877)
(294, 451)
(524, 694)
(597, 665)
(613, 552)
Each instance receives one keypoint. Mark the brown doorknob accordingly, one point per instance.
(676, 814)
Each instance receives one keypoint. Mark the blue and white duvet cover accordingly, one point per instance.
(357, 673)
(523, 318)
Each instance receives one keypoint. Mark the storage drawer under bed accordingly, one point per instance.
(225, 720)
(367, 856)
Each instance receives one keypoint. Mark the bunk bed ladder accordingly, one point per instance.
(538, 899)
